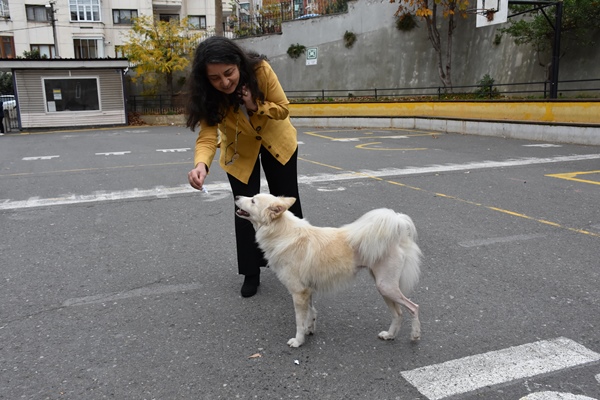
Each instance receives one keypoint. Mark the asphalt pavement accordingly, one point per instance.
(118, 281)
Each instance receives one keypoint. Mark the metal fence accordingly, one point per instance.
(568, 89)
(586, 88)
(10, 119)
(267, 21)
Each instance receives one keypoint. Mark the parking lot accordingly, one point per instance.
(119, 281)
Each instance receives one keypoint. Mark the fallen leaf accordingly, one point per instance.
(256, 355)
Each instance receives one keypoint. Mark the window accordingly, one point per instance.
(37, 13)
(7, 49)
(46, 50)
(4, 11)
(124, 16)
(168, 17)
(85, 10)
(71, 94)
(85, 48)
(119, 52)
(197, 21)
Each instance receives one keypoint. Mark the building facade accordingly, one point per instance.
(84, 29)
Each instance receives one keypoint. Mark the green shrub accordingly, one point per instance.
(485, 88)
(296, 50)
(406, 22)
(349, 39)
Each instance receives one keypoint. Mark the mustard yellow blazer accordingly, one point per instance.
(269, 126)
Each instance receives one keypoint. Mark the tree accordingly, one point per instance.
(431, 11)
(6, 83)
(536, 28)
(158, 49)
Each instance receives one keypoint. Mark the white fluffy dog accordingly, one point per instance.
(307, 259)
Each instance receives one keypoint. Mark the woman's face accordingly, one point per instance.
(223, 77)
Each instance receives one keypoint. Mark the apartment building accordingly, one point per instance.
(83, 29)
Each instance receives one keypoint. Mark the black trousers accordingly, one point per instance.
(282, 181)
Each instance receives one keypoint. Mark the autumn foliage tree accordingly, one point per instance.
(433, 12)
(158, 49)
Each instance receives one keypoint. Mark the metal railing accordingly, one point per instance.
(585, 88)
(9, 111)
(267, 21)
(568, 89)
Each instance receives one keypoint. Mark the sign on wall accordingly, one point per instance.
(311, 56)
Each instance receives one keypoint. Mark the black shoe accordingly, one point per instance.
(250, 286)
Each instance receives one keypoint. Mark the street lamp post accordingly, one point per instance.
(50, 8)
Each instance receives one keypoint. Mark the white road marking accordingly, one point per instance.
(555, 396)
(542, 145)
(39, 158)
(114, 153)
(174, 150)
(497, 367)
(8, 204)
(478, 165)
(505, 239)
(152, 290)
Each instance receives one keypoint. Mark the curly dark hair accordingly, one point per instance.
(204, 102)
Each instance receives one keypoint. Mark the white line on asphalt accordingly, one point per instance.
(555, 396)
(114, 153)
(505, 239)
(162, 192)
(39, 158)
(174, 150)
(542, 145)
(152, 290)
(497, 367)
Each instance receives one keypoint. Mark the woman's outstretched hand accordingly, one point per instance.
(197, 175)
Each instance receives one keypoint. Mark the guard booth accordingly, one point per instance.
(65, 93)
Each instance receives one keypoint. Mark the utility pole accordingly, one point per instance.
(50, 8)
(219, 18)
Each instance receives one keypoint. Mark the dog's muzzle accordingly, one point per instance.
(241, 213)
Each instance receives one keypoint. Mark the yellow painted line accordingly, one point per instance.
(508, 212)
(318, 163)
(571, 176)
(92, 169)
(365, 147)
(315, 134)
(403, 132)
(346, 139)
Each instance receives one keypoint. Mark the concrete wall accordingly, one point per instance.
(384, 57)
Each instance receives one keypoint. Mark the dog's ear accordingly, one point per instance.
(280, 206)
(275, 211)
(288, 201)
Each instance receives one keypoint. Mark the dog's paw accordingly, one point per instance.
(293, 342)
(416, 331)
(385, 335)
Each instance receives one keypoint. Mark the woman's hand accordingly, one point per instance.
(197, 175)
(246, 98)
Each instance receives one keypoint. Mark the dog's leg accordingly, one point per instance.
(311, 320)
(396, 296)
(396, 311)
(301, 306)
(387, 280)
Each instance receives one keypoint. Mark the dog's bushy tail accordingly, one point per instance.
(378, 232)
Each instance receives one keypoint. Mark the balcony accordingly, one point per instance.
(166, 4)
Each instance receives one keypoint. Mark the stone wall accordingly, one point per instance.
(384, 57)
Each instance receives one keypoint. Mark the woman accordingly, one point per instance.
(237, 94)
